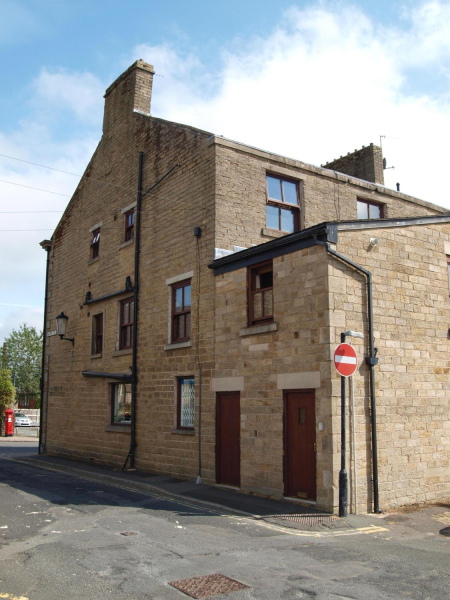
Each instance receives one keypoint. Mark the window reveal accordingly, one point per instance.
(260, 294)
(121, 404)
(181, 311)
(185, 403)
(283, 204)
(95, 243)
(97, 338)
(126, 323)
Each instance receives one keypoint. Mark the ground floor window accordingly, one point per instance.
(121, 403)
(185, 403)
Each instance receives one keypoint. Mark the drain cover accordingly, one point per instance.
(310, 519)
(445, 531)
(207, 585)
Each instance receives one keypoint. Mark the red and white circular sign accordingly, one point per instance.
(345, 360)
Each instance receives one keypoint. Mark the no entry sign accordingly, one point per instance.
(345, 360)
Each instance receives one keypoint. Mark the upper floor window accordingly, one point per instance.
(97, 334)
(283, 204)
(260, 294)
(95, 243)
(126, 323)
(369, 210)
(129, 225)
(181, 311)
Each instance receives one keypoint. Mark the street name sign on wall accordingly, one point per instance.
(345, 360)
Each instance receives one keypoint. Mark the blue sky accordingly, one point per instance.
(310, 80)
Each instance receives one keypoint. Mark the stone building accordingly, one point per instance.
(219, 362)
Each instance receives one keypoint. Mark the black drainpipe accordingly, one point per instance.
(134, 374)
(47, 246)
(371, 360)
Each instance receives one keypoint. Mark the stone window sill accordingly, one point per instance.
(123, 352)
(127, 243)
(93, 260)
(273, 233)
(96, 356)
(183, 431)
(187, 344)
(118, 428)
(257, 329)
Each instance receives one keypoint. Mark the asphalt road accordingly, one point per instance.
(61, 538)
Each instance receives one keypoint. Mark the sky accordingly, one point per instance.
(308, 80)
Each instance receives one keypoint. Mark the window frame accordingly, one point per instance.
(252, 271)
(95, 246)
(176, 315)
(295, 209)
(130, 323)
(113, 387)
(368, 204)
(129, 229)
(95, 351)
(178, 415)
(448, 271)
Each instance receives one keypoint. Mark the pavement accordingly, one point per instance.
(72, 530)
(282, 513)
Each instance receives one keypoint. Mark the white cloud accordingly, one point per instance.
(326, 81)
(80, 93)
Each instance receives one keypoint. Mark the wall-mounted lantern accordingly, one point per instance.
(61, 326)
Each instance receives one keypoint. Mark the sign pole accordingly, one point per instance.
(343, 477)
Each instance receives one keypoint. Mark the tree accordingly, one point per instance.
(24, 359)
(7, 391)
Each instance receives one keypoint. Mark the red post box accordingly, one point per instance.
(9, 422)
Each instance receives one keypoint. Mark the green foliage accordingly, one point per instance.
(7, 391)
(24, 359)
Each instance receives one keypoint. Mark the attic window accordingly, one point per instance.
(369, 210)
(129, 225)
(95, 243)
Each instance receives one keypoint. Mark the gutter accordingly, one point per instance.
(371, 361)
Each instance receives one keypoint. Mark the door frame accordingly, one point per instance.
(228, 393)
(285, 453)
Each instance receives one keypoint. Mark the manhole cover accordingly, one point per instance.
(310, 519)
(445, 531)
(207, 585)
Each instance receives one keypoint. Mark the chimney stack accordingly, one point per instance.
(131, 91)
(366, 164)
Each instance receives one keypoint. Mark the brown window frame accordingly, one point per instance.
(114, 386)
(293, 208)
(179, 425)
(177, 315)
(448, 269)
(124, 325)
(252, 272)
(97, 336)
(95, 245)
(369, 203)
(129, 228)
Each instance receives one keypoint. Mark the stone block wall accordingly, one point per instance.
(327, 196)
(411, 323)
(366, 164)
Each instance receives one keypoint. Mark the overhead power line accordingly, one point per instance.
(33, 188)
(22, 212)
(28, 162)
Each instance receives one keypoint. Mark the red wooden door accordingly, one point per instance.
(300, 445)
(228, 439)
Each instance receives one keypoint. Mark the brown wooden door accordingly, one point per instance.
(228, 439)
(300, 445)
